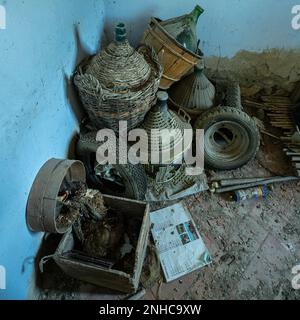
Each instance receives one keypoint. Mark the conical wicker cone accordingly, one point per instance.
(194, 92)
(160, 118)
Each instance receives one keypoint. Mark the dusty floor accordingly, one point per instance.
(254, 245)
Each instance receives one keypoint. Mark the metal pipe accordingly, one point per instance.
(289, 153)
(255, 184)
(238, 181)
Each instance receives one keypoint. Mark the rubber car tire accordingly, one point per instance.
(219, 114)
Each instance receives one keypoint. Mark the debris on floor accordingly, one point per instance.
(252, 193)
(107, 237)
(99, 213)
(180, 247)
(172, 183)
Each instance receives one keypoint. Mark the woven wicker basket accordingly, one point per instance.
(176, 60)
(119, 83)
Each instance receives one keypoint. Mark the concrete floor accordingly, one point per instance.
(254, 245)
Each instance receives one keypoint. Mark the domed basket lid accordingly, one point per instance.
(120, 67)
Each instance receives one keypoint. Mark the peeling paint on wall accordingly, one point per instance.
(270, 70)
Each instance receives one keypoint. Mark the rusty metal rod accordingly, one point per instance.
(269, 134)
(255, 184)
(239, 181)
(289, 153)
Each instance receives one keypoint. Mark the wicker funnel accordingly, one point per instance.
(119, 83)
(194, 93)
(160, 141)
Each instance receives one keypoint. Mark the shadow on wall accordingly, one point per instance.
(71, 91)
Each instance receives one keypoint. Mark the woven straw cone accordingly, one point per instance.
(165, 142)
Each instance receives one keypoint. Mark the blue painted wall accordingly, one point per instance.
(226, 27)
(38, 52)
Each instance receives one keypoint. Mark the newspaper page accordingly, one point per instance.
(180, 247)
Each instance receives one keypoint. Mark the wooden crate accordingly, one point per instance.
(104, 277)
